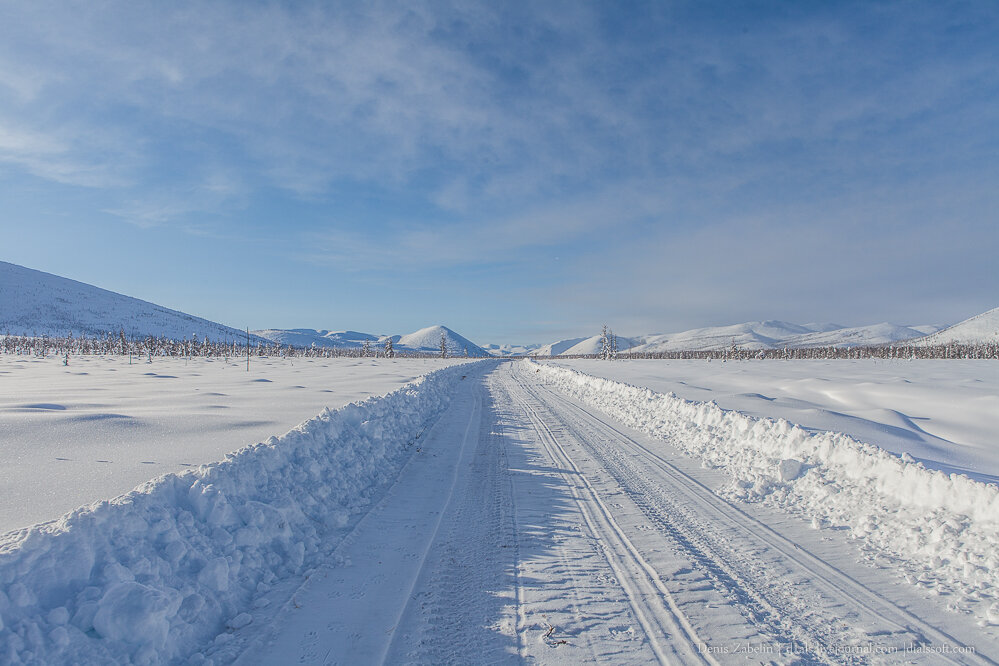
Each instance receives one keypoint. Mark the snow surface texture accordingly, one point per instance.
(943, 413)
(37, 303)
(152, 574)
(98, 427)
(944, 527)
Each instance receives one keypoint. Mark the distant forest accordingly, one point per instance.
(150, 347)
(153, 347)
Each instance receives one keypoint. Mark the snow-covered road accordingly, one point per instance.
(528, 527)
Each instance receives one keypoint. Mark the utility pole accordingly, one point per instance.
(247, 348)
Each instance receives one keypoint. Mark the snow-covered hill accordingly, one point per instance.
(594, 344)
(749, 335)
(37, 303)
(556, 348)
(982, 328)
(306, 337)
(858, 336)
(510, 350)
(426, 340)
(429, 340)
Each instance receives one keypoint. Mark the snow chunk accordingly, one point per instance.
(240, 621)
(789, 469)
(215, 574)
(136, 613)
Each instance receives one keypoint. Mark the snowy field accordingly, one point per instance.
(516, 511)
(943, 413)
(72, 435)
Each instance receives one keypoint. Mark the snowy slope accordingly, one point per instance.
(858, 336)
(825, 327)
(556, 348)
(749, 335)
(429, 340)
(981, 328)
(594, 344)
(306, 337)
(510, 350)
(33, 302)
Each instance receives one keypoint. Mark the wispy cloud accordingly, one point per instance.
(413, 245)
(58, 155)
(471, 102)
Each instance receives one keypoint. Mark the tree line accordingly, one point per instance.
(894, 351)
(155, 347)
(152, 346)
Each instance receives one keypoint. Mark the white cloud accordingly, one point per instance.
(54, 156)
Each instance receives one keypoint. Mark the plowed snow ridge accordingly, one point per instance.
(153, 574)
(944, 527)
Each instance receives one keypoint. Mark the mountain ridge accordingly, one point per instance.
(34, 302)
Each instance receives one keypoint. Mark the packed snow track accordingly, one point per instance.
(527, 527)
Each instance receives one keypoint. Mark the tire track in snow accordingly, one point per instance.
(463, 608)
(348, 613)
(651, 601)
(683, 508)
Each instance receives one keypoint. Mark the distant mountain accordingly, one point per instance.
(37, 303)
(594, 344)
(510, 350)
(860, 336)
(770, 334)
(982, 328)
(429, 340)
(749, 335)
(556, 348)
(426, 340)
(307, 337)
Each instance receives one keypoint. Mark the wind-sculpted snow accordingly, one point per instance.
(941, 529)
(154, 574)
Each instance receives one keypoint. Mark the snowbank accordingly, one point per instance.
(945, 525)
(151, 575)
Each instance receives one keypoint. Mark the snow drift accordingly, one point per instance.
(153, 574)
(944, 527)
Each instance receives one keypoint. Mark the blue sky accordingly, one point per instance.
(520, 172)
